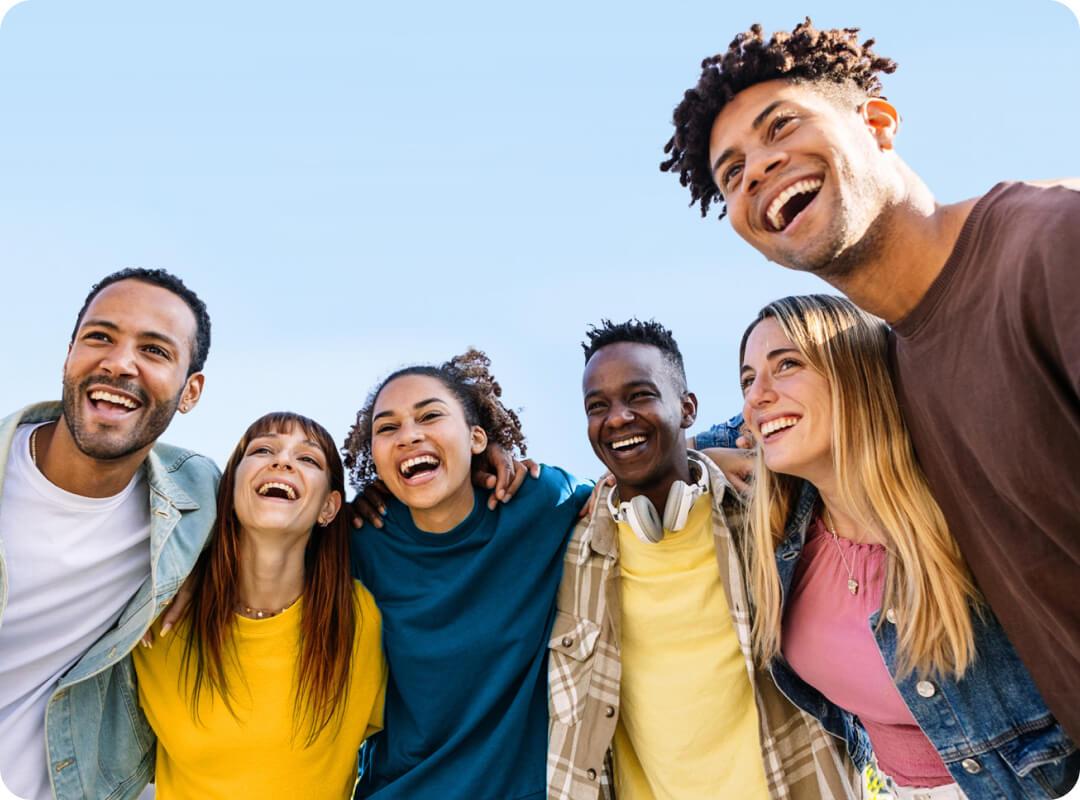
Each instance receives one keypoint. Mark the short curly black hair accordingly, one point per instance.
(832, 59)
(468, 376)
(200, 347)
(636, 332)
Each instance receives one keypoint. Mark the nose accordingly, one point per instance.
(119, 360)
(619, 415)
(408, 434)
(759, 165)
(759, 393)
(283, 461)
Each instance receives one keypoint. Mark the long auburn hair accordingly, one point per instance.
(927, 582)
(329, 613)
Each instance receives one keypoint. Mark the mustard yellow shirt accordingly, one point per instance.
(256, 754)
(688, 726)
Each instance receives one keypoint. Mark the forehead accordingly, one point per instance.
(139, 307)
(766, 337)
(290, 432)
(402, 393)
(625, 362)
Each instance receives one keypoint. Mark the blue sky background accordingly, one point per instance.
(356, 186)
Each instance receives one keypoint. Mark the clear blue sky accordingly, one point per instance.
(354, 186)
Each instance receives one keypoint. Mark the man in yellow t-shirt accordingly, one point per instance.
(651, 683)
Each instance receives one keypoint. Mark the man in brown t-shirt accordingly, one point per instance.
(791, 135)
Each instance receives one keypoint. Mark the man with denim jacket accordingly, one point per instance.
(653, 691)
(99, 525)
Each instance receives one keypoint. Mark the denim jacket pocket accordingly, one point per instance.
(1043, 755)
(570, 666)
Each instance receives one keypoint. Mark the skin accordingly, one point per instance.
(874, 231)
(417, 415)
(274, 532)
(778, 382)
(631, 389)
(135, 339)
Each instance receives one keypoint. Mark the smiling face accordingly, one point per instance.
(787, 405)
(126, 370)
(422, 446)
(637, 413)
(807, 178)
(282, 484)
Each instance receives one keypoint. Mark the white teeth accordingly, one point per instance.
(412, 462)
(773, 213)
(774, 425)
(113, 398)
(289, 491)
(619, 445)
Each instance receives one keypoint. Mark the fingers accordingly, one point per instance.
(745, 442)
(607, 480)
(367, 508)
(147, 639)
(532, 466)
(176, 608)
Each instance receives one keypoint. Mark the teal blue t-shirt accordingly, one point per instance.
(466, 620)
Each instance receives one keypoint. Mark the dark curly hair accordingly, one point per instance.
(471, 382)
(200, 347)
(832, 60)
(637, 332)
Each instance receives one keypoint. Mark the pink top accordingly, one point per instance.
(828, 641)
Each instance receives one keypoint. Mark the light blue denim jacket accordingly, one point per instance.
(96, 705)
(991, 728)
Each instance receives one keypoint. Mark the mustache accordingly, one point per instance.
(127, 387)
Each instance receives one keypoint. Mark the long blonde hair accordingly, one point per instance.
(927, 583)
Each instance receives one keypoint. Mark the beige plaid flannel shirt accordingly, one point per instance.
(802, 761)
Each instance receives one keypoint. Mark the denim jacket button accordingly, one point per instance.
(926, 689)
(60, 695)
(971, 766)
(890, 615)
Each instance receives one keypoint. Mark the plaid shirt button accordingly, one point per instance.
(592, 774)
(609, 711)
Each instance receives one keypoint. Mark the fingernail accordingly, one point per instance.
(165, 629)
(382, 510)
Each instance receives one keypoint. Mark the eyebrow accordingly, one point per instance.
(771, 355)
(416, 407)
(629, 385)
(112, 326)
(760, 118)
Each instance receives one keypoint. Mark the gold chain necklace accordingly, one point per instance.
(33, 444)
(852, 584)
(262, 613)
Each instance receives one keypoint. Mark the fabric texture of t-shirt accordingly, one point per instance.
(987, 372)
(258, 753)
(688, 725)
(73, 564)
(466, 619)
(828, 641)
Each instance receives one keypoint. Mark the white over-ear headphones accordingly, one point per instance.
(641, 515)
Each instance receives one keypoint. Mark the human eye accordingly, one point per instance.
(594, 406)
(431, 416)
(310, 459)
(779, 123)
(745, 382)
(258, 449)
(787, 364)
(385, 427)
(642, 394)
(730, 174)
(156, 350)
(96, 336)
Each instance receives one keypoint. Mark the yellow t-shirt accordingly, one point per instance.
(688, 725)
(256, 754)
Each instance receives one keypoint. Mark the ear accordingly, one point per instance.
(189, 398)
(479, 440)
(330, 509)
(689, 409)
(882, 119)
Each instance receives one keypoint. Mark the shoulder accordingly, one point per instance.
(1030, 206)
(365, 601)
(186, 465)
(558, 486)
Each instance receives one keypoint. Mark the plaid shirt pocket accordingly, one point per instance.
(570, 666)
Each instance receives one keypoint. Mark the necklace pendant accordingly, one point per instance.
(853, 586)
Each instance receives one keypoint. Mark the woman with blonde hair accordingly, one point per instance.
(864, 608)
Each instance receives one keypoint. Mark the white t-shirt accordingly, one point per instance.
(72, 565)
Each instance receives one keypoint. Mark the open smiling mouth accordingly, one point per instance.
(416, 467)
(107, 401)
(628, 444)
(774, 427)
(791, 202)
(279, 491)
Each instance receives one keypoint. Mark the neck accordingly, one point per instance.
(658, 491)
(448, 514)
(271, 569)
(844, 521)
(914, 237)
(61, 461)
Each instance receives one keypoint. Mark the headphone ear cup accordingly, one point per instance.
(643, 519)
(679, 500)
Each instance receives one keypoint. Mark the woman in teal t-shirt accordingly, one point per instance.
(467, 593)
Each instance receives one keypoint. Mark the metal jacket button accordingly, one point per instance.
(609, 711)
(971, 766)
(925, 688)
(890, 615)
(567, 641)
(592, 774)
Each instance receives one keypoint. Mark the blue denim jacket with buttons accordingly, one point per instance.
(723, 434)
(991, 728)
(99, 743)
